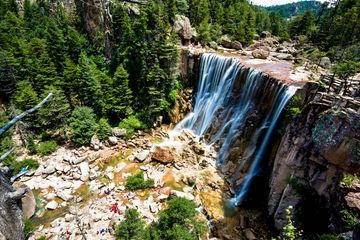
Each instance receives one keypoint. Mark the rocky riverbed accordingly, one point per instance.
(75, 188)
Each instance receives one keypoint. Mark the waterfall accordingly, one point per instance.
(228, 94)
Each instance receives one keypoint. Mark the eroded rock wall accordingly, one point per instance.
(319, 145)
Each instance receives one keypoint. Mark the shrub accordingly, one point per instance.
(137, 181)
(289, 231)
(104, 129)
(47, 147)
(132, 227)
(82, 124)
(31, 146)
(178, 221)
(349, 219)
(29, 162)
(328, 237)
(348, 179)
(29, 226)
(131, 124)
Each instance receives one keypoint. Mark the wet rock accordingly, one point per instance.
(113, 141)
(141, 156)
(85, 171)
(119, 132)
(198, 149)
(260, 54)
(51, 205)
(163, 155)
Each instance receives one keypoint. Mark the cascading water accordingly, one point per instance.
(231, 93)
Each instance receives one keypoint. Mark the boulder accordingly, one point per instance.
(182, 27)
(265, 34)
(78, 160)
(49, 169)
(28, 204)
(213, 45)
(249, 234)
(236, 45)
(95, 142)
(353, 200)
(284, 56)
(119, 132)
(64, 195)
(188, 196)
(225, 41)
(51, 205)
(163, 155)
(260, 54)
(325, 62)
(85, 171)
(113, 141)
(141, 156)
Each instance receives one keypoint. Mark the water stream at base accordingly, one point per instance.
(219, 94)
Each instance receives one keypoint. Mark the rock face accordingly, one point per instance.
(317, 149)
(28, 204)
(182, 27)
(182, 105)
(11, 223)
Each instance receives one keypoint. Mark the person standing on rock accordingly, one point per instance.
(115, 208)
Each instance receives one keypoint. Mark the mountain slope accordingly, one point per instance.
(293, 9)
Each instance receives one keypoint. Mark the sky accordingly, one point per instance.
(274, 2)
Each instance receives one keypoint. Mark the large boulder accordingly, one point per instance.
(163, 155)
(95, 142)
(225, 41)
(265, 34)
(260, 53)
(182, 27)
(119, 132)
(28, 203)
(85, 171)
(236, 45)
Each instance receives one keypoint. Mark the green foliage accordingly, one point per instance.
(349, 220)
(328, 237)
(18, 165)
(31, 146)
(178, 221)
(346, 69)
(104, 129)
(29, 226)
(46, 147)
(131, 124)
(41, 238)
(289, 231)
(132, 227)
(137, 181)
(348, 179)
(82, 124)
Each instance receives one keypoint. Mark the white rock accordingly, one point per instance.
(66, 169)
(113, 140)
(85, 171)
(153, 207)
(188, 196)
(119, 132)
(69, 217)
(51, 205)
(50, 196)
(109, 175)
(141, 156)
(64, 195)
(78, 160)
(49, 169)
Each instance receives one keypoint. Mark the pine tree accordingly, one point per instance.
(120, 100)
(54, 112)
(8, 77)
